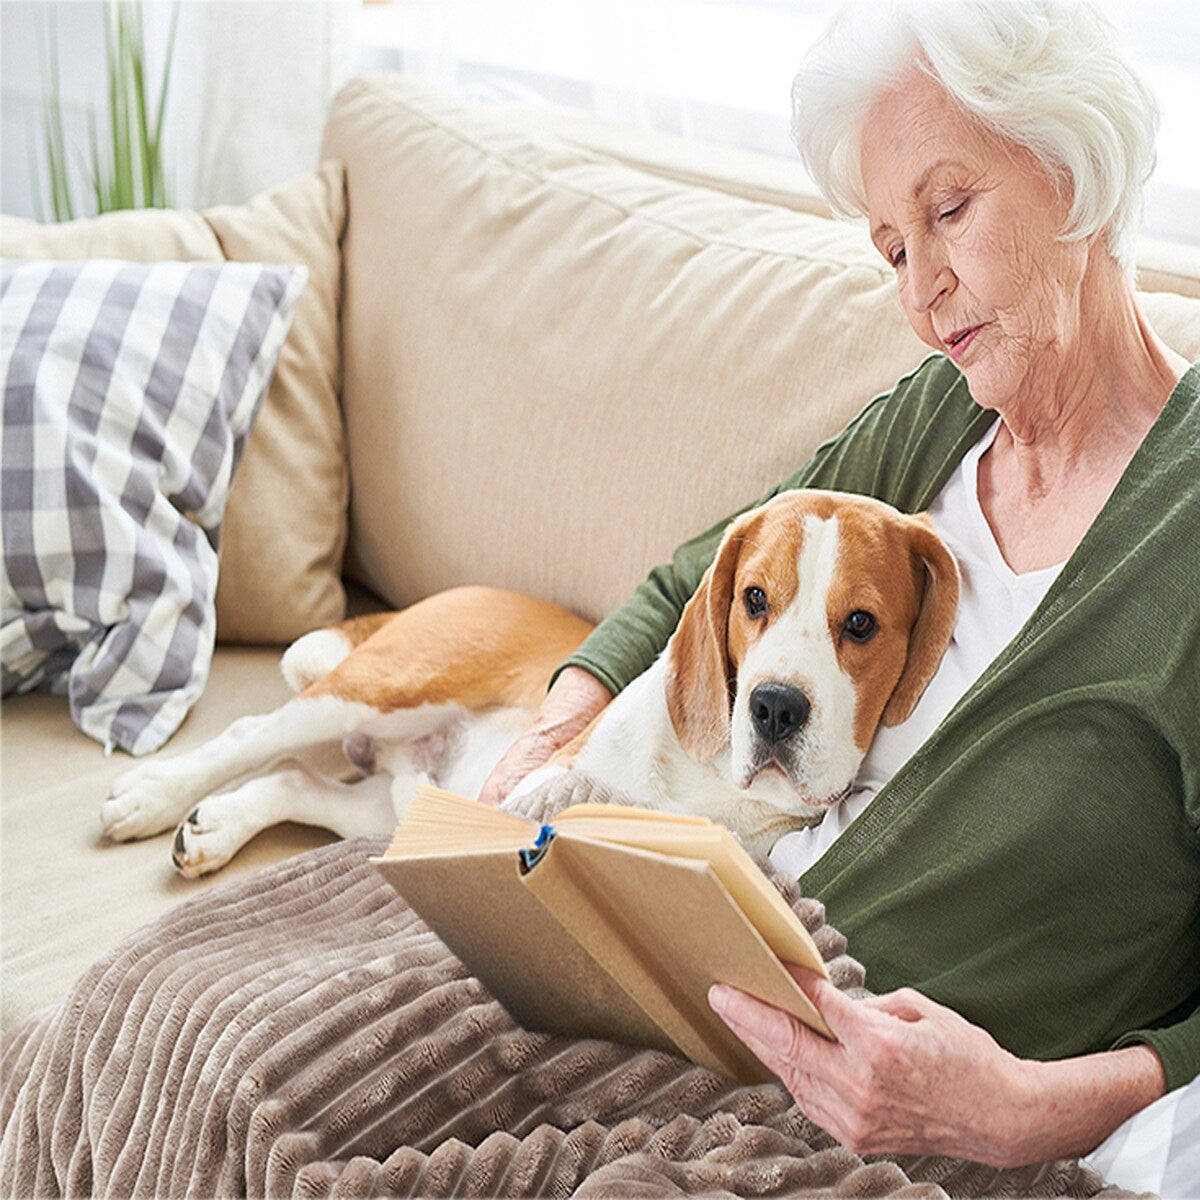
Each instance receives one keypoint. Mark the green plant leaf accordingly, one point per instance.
(56, 155)
(163, 88)
(35, 178)
(131, 173)
(94, 172)
(121, 194)
(137, 85)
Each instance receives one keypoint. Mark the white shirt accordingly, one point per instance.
(994, 604)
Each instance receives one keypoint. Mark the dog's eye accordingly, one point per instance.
(860, 626)
(756, 601)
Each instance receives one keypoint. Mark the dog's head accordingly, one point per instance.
(822, 616)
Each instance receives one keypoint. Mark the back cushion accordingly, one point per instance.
(284, 532)
(558, 367)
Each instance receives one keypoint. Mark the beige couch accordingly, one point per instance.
(560, 347)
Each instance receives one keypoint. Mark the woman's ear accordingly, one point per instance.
(934, 625)
(699, 681)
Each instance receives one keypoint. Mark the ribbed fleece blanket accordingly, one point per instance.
(302, 1033)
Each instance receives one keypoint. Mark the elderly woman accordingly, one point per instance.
(1023, 851)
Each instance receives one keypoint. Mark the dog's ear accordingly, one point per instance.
(935, 622)
(699, 674)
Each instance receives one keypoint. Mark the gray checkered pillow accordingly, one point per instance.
(129, 391)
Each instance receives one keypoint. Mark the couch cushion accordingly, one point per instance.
(1161, 266)
(66, 895)
(129, 392)
(560, 365)
(285, 527)
(1176, 319)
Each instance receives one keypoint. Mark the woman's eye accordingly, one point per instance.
(860, 626)
(948, 214)
(756, 601)
(896, 257)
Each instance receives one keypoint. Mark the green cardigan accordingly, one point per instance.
(1036, 864)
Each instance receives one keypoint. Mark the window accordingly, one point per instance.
(721, 70)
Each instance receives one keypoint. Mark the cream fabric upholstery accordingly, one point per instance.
(567, 347)
(580, 364)
(65, 893)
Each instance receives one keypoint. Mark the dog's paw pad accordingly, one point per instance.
(190, 854)
(205, 840)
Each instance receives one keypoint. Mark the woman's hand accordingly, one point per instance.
(574, 701)
(909, 1076)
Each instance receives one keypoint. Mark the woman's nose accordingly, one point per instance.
(929, 277)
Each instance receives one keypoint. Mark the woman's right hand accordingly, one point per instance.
(570, 705)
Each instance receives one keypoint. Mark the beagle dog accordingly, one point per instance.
(822, 616)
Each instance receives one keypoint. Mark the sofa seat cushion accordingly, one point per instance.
(66, 895)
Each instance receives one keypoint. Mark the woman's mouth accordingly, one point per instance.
(956, 344)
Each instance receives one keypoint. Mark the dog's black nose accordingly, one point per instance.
(778, 711)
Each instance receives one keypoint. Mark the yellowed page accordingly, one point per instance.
(705, 841)
(439, 821)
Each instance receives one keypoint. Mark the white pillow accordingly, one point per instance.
(129, 391)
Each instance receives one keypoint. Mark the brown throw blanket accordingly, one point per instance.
(302, 1033)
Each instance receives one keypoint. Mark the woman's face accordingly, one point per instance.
(970, 224)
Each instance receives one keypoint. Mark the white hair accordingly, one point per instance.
(1049, 75)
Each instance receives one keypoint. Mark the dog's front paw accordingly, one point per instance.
(144, 801)
(207, 839)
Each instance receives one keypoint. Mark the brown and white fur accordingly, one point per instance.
(822, 616)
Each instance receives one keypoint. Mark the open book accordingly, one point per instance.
(611, 923)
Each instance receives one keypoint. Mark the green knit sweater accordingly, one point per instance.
(1036, 864)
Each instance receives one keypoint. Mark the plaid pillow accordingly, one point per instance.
(129, 391)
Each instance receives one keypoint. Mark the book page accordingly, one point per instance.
(439, 822)
(627, 812)
(700, 839)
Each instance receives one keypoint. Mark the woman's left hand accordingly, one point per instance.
(908, 1075)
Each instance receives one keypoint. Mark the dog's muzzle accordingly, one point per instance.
(779, 717)
(778, 712)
